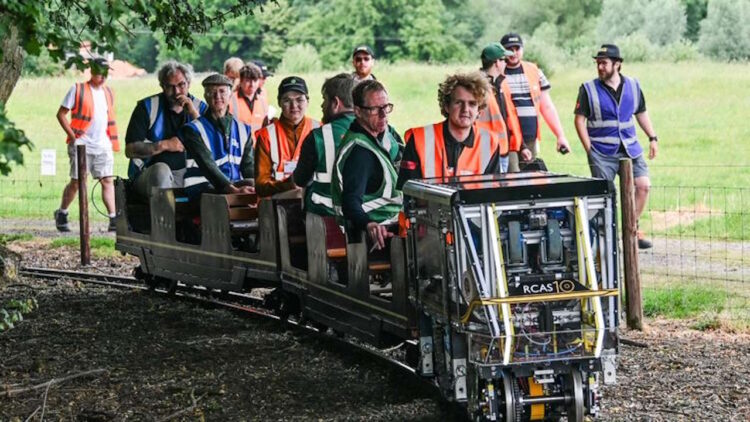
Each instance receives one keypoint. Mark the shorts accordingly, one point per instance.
(99, 164)
(606, 166)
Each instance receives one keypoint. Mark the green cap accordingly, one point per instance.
(494, 51)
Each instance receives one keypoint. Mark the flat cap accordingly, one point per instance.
(217, 79)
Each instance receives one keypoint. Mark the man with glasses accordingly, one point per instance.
(363, 187)
(157, 157)
(363, 60)
(277, 146)
(92, 124)
(458, 145)
(213, 143)
(530, 94)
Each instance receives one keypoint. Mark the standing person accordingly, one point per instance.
(500, 114)
(92, 124)
(157, 157)
(363, 60)
(456, 146)
(232, 67)
(262, 91)
(604, 121)
(363, 187)
(530, 93)
(213, 143)
(245, 104)
(278, 144)
(319, 148)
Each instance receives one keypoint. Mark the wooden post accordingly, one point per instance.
(83, 205)
(633, 302)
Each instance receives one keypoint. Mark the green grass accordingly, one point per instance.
(103, 247)
(680, 302)
(698, 110)
(14, 237)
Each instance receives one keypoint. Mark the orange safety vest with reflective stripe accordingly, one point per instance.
(83, 111)
(531, 72)
(430, 146)
(240, 109)
(274, 140)
(492, 118)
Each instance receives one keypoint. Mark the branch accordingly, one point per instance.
(17, 391)
(187, 409)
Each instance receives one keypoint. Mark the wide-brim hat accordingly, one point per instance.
(608, 51)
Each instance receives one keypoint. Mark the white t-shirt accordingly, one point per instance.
(95, 138)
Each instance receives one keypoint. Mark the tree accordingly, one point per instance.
(724, 33)
(59, 26)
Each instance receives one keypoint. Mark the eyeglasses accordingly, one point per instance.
(218, 92)
(286, 102)
(376, 110)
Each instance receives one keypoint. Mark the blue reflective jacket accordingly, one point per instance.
(612, 123)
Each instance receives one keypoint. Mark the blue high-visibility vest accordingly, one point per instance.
(612, 123)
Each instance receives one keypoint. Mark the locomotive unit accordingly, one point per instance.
(508, 283)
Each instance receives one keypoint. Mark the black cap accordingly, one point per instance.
(608, 51)
(292, 83)
(363, 49)
(217, 79)
(511, 40)
(263, 68)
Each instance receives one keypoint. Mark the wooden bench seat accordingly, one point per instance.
(380, 266)
(336, 253)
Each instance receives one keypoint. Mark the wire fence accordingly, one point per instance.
(700, 234)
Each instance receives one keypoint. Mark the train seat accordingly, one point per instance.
(243, 212)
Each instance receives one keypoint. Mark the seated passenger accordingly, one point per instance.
(214, 143)
(319, 148)
(157, 157)
(456, 146)
(363, 187)
(277, 146)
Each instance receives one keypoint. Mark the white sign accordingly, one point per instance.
(49, 158)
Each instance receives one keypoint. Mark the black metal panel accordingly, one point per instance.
(506, 187)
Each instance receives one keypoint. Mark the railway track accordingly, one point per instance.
(241, 304)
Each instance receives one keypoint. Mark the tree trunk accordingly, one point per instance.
(12, 63)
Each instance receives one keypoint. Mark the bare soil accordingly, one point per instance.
(142, 357)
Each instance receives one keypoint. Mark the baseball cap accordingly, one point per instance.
(608, 51)
(292, 83)
(216, 79)
(263, 68)
(494, 51)
(363, 49)
(511, 39)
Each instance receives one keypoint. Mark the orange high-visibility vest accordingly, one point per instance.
(492, 118)
(240, 109)
(531, 71)
(430, 146)
(274, 140)
(83, 111)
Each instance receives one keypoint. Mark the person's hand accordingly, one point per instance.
(232, 189)
(187, 104)
(172, 144)
(563, 147)
(653, 148)
(526, 154)
(378, 234)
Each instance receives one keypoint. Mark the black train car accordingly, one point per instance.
(515, 284)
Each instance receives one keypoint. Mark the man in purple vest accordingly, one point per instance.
(604, 120)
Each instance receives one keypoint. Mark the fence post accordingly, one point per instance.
(633, 303)
(83, 205)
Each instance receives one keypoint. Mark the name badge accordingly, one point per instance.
(289, 167)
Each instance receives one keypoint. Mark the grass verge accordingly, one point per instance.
(103, 247)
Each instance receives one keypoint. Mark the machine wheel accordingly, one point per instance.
(509, 398)
(574, 389)
(515, 243)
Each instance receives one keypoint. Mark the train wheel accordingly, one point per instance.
(509, 398)
(574, 389)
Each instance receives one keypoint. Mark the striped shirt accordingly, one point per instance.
(521, 95)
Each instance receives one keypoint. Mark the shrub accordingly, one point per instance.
(300, 58)
(724, 33)
(635, 47)
(661, 21)
(680, 51)
(664, 21)
(541, 48)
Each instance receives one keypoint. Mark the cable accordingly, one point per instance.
(93, 201)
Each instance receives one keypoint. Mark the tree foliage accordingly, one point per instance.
(724, 33)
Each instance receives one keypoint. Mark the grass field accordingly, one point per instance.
(699, 111)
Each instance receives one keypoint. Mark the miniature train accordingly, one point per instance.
(507, 283)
